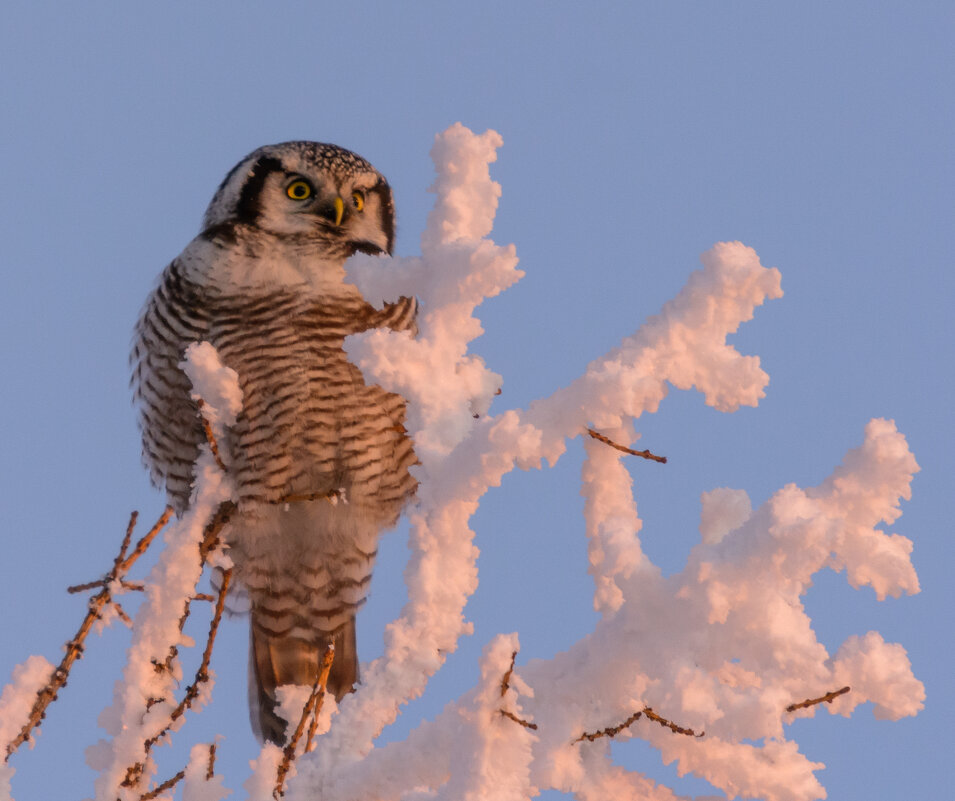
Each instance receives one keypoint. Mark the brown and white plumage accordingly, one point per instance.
(320, 459)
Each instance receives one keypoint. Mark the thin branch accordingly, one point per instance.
(211, 770)
(210, 436)
(312, 708)
(122, 614)
(827, 698)
(144, 543)
(643, 454)
(505, 686)
(166, 785)
(610, 732)
(613, 731)
(74, 648)
(172, 782)
(210, 537)
(511, 716)
(133, 517)
(89, 585)
(506, 681)
(133, 586)
(670, 725)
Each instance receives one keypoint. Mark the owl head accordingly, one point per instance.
(308, 189)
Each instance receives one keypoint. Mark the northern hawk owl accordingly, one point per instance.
(320, 458)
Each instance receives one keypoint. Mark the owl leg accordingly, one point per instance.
(276, 661)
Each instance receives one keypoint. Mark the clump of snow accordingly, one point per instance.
(724, 510)
(197, 785)
(213, 383)
(216, 388)
(264, 770)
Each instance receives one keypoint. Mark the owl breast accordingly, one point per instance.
(310, 427)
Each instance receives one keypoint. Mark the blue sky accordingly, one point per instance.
(635, 136)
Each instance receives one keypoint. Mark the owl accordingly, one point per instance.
(320, 459)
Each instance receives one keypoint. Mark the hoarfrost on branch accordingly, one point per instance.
(723, 647)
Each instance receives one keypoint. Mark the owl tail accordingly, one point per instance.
(275, 661)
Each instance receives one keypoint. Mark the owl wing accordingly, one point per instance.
(171, 320)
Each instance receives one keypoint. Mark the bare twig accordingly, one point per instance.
(317, 698)
(144, 543)
(74, 648)
(613, 731)
(670, 725)
(122, 614)
(511, 716)
(312, 708)
(89, 585)
(505, 686)
(166, 785)
(210, 537)
(210, 436)
(607, 441)
(610, 732)
(827, 698)
(172, 782)
(134, 772)
(211, 770)
(506, 681)
(134, 586)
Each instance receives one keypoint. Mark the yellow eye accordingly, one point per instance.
(359, 200)
(299, 190)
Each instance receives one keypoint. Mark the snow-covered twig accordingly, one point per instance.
(134, 772)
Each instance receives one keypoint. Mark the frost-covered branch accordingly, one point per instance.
(96, 610)
(724, 646)
(144, 701)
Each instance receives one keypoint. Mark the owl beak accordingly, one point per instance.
(333, 211)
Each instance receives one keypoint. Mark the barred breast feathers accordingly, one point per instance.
(310, 420)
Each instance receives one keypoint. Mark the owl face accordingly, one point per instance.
(308, 189)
